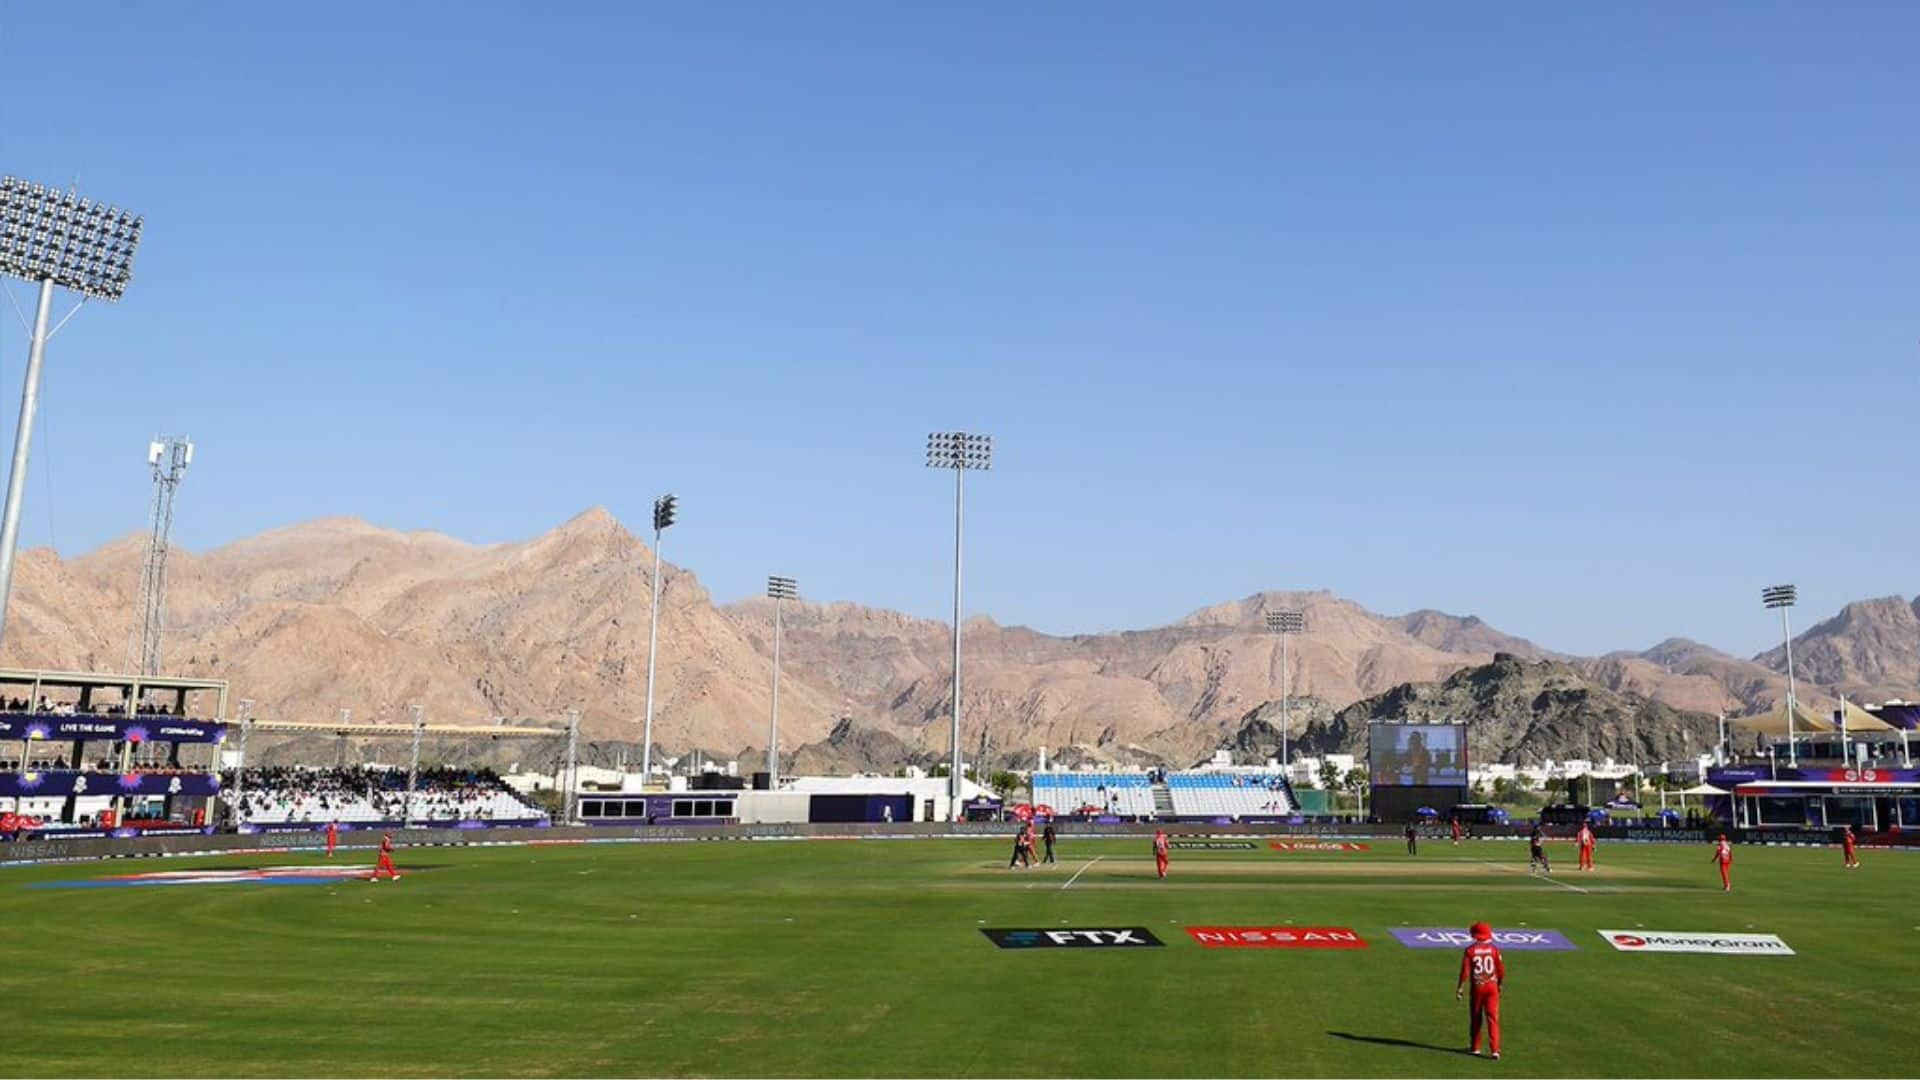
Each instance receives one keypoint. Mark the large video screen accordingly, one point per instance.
(1417, 755)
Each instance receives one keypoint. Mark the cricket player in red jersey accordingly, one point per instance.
(1723, 854)
(333, 837)
(1846, 847)
(1482, 968)
(1456, 830)
(1160, 852)
(1585, 838)
(386, 859)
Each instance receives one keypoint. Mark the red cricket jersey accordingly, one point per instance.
(386, 845)
(1159, 845)
(1481, 965)
(1723, 852)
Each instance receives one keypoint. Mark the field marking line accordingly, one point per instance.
(1082, 870)
(1548, 877)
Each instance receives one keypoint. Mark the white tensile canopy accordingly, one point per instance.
(1859, 719)
(1775, 722)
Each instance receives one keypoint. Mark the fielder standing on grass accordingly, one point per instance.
(385, 865)
(1723, 855)
(1846, 847)
(1046, 835)
(1585, 840)
(1413, 839)
(1482, 968)
(333, 837)
(1160, 852)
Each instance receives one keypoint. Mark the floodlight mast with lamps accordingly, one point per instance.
(959, 451)
(780, 589)
(1285, 623)
(1783, 597)
(50, 237)
(665, 508)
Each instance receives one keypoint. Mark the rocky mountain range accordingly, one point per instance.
(336, 614)
(1526, 711)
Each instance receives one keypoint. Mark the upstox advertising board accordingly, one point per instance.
(1514, 940)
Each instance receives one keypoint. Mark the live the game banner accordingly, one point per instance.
(32, 726)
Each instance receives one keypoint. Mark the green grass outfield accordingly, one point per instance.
(865, 958)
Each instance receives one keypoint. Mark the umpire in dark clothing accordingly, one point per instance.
(1046, 835)
(1413, 839)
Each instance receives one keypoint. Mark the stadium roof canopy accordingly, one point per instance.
(1859, 719)
(1775, 722)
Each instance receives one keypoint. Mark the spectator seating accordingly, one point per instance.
(1127, 794)
(1230, 794)
(279, 796)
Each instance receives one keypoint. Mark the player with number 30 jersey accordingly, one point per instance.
(1482, 970)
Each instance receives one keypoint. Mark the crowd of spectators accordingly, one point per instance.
(50, 707)
(361, 793)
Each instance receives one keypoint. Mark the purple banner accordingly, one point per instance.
(165, 729)
(1905, 716)
(390, 826)
(1447, 937)
(1729, 777)
(38, 785)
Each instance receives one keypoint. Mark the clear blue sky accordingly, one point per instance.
(1591, 322)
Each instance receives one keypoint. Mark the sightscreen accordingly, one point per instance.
(1417, 755)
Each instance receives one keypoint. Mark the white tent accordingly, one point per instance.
(1700, 790)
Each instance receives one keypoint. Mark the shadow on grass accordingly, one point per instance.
(1381, 1040)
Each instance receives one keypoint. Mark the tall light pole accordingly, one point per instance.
(664, 509)
(1783, 597)
(1285, 623)
(51, 238)
(413, 762)
(239, 762)
(570, 795)
(959, 451)
(168, 457)
(781, 589)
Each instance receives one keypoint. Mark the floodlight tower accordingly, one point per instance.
(169, 457)
(1783, 597)
(664, 509)
(1285, 623)
(51, 238)
(959, 451)
(781, 589)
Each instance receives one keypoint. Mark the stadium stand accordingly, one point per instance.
(1124, 794)
(1230, 794)
(291, 795)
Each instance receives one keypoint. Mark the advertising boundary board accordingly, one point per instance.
(1068, 937)
(1515, 939)
(1276, 937)
(1696, 941)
